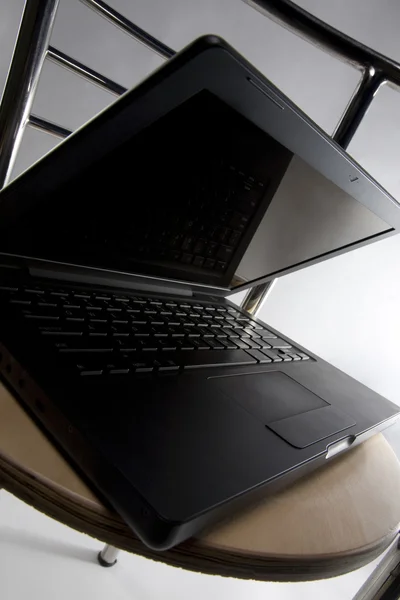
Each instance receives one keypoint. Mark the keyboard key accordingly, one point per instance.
(149, 347)
(218, 333)
(187, 243)
(279, 343)
(210, 250)
(230, 332)
(168, 366)
(121, 345)
(186, 346)
(221, 266)
(293, 356)
(235, 237)
(242, 333)
(263, 343)
(48, 304)
(85, 350)
(34, 291)
(200, 344)
(199, 247)
(266, 335)
(84, 344)
(241, 343)
(61, 333)
(228, 343)
(224, 253)
(119, 365)
(142, 367)
(191, 333)
(223, 235)
(90, 372)
(22, 302)
(118, 371)
(238, 221)
(8, 288)
(259, 356)
(206, 332)
(213, 358)
(272, 355)
(187, 258)
(252, 343)
(198, 261)
(285, 357)
(253, 333)
(42, 317)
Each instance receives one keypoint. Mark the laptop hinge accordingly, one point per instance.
(110, 279)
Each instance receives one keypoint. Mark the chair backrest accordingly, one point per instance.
(32, 48)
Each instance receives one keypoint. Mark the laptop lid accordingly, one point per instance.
(204, 174)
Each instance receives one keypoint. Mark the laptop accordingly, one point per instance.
(119, 251)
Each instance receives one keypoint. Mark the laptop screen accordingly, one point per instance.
(202, 195)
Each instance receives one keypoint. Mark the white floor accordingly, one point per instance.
(44, 560)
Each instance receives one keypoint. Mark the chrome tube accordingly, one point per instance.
(327, 38)
(256, 296)
(48, 127)
(358, 106)
(63, 60)
(108, 556)
(23, 77)
(127, 26)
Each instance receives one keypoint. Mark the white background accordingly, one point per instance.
(345, 310)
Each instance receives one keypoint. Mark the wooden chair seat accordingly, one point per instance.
(336, 520)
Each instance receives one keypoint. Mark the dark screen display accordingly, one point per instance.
(202, 196)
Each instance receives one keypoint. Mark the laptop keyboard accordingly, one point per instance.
(107, 334)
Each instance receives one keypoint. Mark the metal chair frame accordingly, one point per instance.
(33, 47)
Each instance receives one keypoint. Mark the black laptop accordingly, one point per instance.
(119, 251)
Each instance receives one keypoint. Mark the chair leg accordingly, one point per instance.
(108, 556)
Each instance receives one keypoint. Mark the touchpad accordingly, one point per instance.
(292, 411)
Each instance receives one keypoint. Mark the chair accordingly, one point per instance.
(267, 541)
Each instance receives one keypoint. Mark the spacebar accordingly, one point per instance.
(216, 358)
